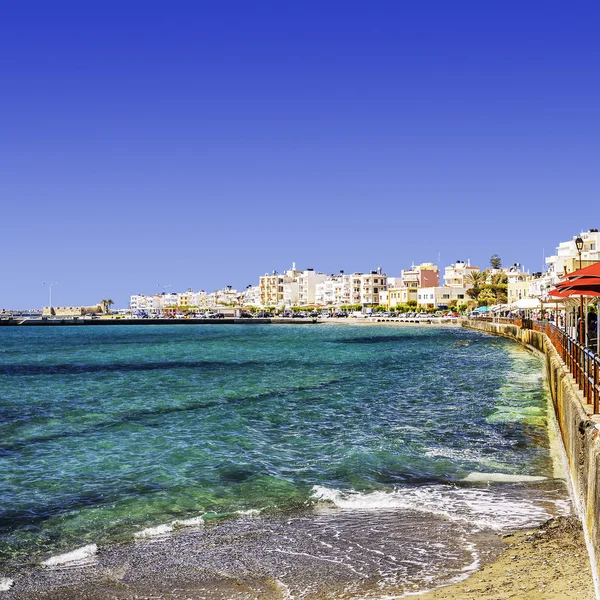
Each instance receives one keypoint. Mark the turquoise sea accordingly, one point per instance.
(437, 434)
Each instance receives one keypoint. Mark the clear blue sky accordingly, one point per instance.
(201, 144)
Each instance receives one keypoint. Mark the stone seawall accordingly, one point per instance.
(579, 431)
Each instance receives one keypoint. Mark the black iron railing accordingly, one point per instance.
(582, 362)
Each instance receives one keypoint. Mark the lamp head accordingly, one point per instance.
(579, 244)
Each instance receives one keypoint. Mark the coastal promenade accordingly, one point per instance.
(572, 373)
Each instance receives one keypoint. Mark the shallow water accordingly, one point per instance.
(394, 432)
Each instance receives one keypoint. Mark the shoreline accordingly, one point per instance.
(548, 563)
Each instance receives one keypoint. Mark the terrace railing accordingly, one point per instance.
(582, 362)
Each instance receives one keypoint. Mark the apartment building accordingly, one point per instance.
(371, 287)
(566, 259)
(401, 295)
(518, 284)
(250, 296)
(441, 296)
(271, 289)
(457, 274)
(307, 286)
(329, 291)
(142, 304)
(405, 289)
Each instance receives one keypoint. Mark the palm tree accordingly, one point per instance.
(476, 278)
(105, 306)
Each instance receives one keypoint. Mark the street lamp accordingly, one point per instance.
(579, 246)
(50, 294)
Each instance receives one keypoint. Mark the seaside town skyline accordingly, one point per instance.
(423, 286)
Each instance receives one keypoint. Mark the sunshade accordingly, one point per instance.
(580, 282)
(589, 271)
(566, 291)
(527, 303)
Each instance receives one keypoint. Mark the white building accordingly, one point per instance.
(307, 286)
(457, 274)
(566, 258)
(329, 291)
(371, 286)
(441, 296)
(140, 304)
(291, 292)
(250, 296)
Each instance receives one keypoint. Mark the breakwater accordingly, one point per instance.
(579, 429)
(78, 322)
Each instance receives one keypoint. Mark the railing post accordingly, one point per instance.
(596, 384)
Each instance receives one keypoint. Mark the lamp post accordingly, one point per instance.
(579, 245)
(50, 294)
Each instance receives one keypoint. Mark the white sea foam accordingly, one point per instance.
(502, 477)
(194, 522)
(252, 512)
(6, 584)
(81, 556)
(167, 528)
(485, 508)
(151, 532)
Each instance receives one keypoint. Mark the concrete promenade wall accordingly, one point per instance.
(578, 427)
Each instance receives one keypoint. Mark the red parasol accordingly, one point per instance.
(592, 271)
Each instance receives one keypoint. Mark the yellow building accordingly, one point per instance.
(271, 289)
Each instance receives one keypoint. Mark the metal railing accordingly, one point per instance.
(582, 362)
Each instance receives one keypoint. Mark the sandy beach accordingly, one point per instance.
(549, 563)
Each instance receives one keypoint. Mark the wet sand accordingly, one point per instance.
(548, 563)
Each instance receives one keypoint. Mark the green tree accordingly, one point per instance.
(486, 297)
(499, 278)
(495, 261)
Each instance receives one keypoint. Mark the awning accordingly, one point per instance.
(526, 303)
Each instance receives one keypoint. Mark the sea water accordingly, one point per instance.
(388, 453)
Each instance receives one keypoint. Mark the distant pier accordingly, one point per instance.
(80, 322)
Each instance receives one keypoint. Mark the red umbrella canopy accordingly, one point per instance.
(583, 282)
(590, 271)
(565, 292)
(583, 286)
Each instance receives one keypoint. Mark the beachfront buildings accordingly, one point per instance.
(365, 289)
(406, 287)
(518, 284)
(304, 286)
(441, 296)
(566, 258)
(271, 289)
(522, 285)
(458, 274)
(421, 285)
